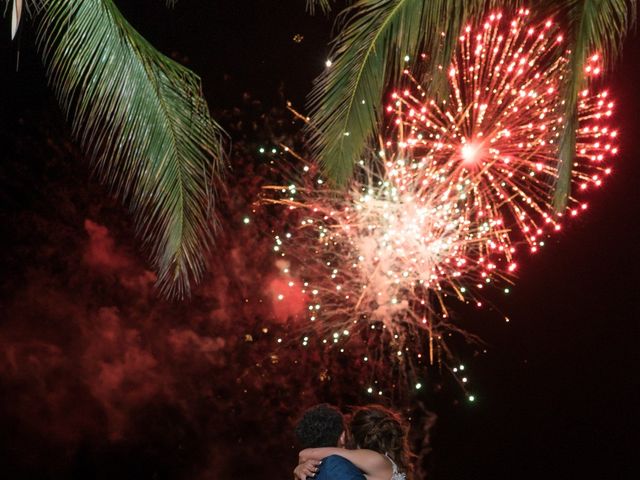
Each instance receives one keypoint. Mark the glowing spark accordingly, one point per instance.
(470, 153)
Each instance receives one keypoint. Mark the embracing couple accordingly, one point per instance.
(374, 447)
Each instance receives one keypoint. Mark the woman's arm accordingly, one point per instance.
(306, 469)
(370, 462)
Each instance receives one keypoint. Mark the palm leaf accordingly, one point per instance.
(142, 119)
(594, 26)
(366, 56)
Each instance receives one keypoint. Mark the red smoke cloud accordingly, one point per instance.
(102, 255)
(101, 252)
(287, 299)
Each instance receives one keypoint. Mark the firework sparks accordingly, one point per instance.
(440, 211)
(496, 135)
(381, 260)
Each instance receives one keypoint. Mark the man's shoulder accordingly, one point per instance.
(335, 460)
(336, 467)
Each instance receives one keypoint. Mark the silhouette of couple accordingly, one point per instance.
(373, 447)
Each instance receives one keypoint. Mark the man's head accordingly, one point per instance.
(321, 426)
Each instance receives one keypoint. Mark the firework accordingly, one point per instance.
(496, 136)
(441, 210)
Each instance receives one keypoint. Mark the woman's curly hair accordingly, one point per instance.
(377, 428)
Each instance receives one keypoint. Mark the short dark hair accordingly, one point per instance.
(320, 426)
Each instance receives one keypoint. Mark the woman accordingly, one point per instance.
(381, 453)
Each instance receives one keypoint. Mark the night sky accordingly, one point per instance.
(99, 378)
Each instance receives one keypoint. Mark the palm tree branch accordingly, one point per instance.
(142, 119)
(357, 75)
(369, 51)
(594, 26)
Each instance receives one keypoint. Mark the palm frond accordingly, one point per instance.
(366, 56)
(141, 118)
(594, 26)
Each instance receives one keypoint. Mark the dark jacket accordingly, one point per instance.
(336, 467)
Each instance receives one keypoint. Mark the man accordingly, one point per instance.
(323, 426)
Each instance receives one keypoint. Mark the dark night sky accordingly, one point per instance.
(558, 390)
